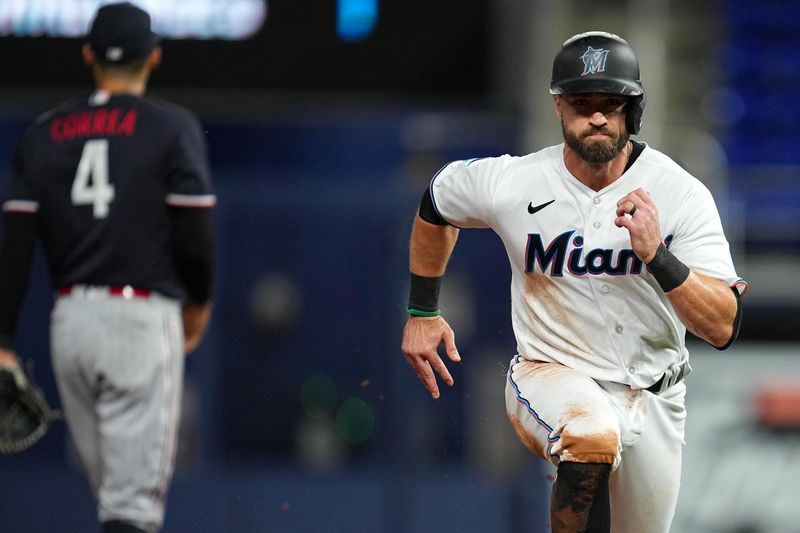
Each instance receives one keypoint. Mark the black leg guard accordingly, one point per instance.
(580, 500)
(118, 526)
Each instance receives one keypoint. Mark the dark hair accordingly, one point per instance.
(129, 68)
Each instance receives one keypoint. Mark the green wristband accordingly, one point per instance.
(417, 312)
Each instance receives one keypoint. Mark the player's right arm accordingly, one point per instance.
(460, 196)
(430, 249)
(16, 250)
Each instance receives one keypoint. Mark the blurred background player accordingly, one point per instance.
(118, 189)
(615, 252)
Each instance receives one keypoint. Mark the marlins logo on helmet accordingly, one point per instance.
(594, 61)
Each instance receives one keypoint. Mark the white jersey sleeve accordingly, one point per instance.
(463, 191)
(699, 240)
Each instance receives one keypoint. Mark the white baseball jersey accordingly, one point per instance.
(579, 295)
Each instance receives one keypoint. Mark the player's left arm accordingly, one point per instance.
(707, 306)
(193, 252)
(191, 200)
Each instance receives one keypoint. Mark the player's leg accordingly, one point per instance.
(138, 408)
(580, 498)
(644, 489)
(73, 374)
(564, 417)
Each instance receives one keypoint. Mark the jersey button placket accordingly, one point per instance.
(595, 211)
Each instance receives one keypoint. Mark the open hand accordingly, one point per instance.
(421, 339)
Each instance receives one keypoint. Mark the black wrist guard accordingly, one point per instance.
(423, 297)
(667, 269)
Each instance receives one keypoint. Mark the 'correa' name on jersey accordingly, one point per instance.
(596, 261)
(100, 122)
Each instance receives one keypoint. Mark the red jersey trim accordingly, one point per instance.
(21, 206)
(741, 287)
(191, 200)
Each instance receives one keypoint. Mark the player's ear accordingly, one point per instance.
(557, 101)
(154, 60)
(89, 57)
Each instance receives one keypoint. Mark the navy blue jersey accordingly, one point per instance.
(101, 174)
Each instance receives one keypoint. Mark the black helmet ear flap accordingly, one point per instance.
(633, 113)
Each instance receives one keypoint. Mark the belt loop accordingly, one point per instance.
(673, 375)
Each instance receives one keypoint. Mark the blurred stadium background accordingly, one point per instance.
(325, 120)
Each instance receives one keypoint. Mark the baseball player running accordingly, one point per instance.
(118, 189)
(615, 252)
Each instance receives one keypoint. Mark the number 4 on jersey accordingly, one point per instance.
(91, 184)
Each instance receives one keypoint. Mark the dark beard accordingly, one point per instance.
(595, 152)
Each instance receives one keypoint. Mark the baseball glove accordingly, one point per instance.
(24, 413)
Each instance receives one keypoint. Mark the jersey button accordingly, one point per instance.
(596, 225)
(596, 201)
(605, 289)
(619, 329)
(631, 369)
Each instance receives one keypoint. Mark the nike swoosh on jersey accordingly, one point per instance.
(539, 207)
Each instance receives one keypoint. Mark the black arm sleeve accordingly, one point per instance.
(193, 247)
(16, 255)
(427, 211)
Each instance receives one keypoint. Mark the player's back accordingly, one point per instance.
(100, 170)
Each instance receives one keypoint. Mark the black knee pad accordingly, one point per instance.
(581, 489)
(586, 474)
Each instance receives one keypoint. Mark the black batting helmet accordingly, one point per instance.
(600, 62)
